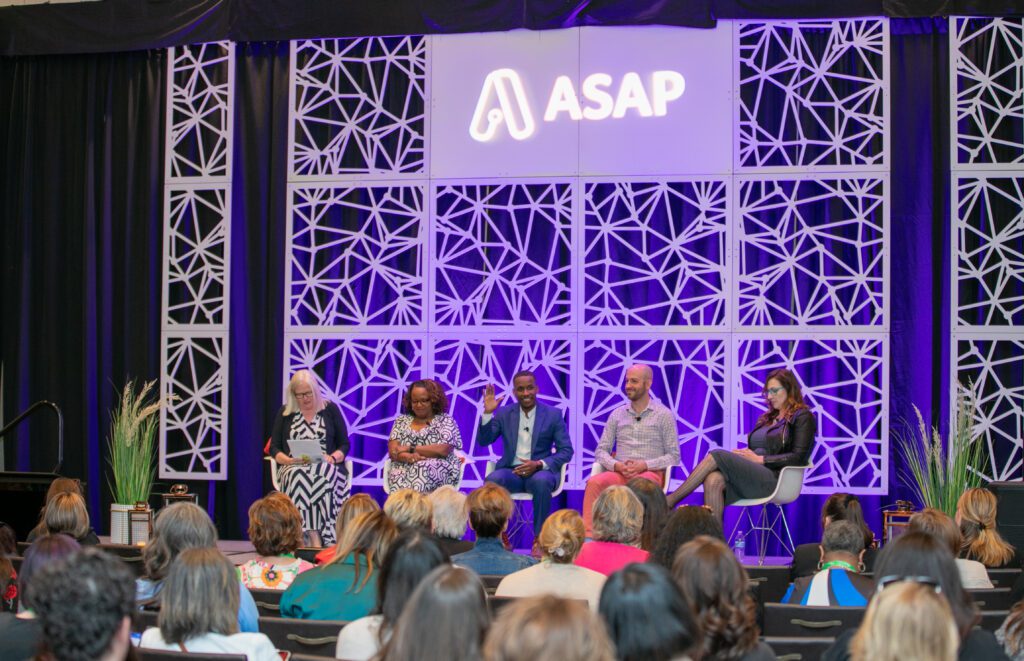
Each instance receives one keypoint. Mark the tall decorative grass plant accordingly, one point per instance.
(132, 442)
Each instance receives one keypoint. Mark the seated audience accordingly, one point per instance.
(57, 487)
(445, 620)
(838, 582)
(560, 542)
(976, 516)
(647, 616)
(618, 521)
(361, 503)
(8, 577)
(926, 558)
(197, 610)
(66, 514)
(21, 634)
(85, 606)
(178, 527)
(652, 498)
(275, 529)
(448, 505)
(906, 620)
(684, 524)
(409, 509)
(490, 507)
(412, 557)
(1011, 634)
(838, 507)
(973, 574)
(715, 586)
(345, 588)
(548, 628)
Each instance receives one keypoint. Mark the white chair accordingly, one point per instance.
(518, 521)
(277, 483)
(787, 489)
(597, 469)
(386, 481)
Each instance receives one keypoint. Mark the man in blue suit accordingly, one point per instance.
(535, 444)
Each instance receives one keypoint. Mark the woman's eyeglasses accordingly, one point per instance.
(769, 392)
(304, 395)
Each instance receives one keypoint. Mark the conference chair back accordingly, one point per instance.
(165, 655)
(316, 637)
(799, 648)
(995, 599)
(268, 602)
(790, 621)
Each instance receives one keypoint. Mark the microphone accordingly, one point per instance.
(638, 418)
(526, 429)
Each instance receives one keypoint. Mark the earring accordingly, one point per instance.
(861, 567)
(820, 565)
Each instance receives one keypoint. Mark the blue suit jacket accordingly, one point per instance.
(550, 438)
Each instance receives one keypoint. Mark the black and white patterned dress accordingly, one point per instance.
(429, 474)
(317, 489)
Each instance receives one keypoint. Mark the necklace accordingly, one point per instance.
(839, 563)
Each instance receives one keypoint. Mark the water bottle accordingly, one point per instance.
(739, 547)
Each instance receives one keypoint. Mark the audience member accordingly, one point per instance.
(445, 620)
(58, 486)
(361, 503)
(684, 524)
(197, 611)
(21, 634)
(490, 507)
(838, 582)
(178, 527)
(1011, 634)
(838, 507)
(937, 523)
(275, 529)
(560, 542)
(66, 514)
(655, 510)
(976, 516)
(548, 628)
(411, 557)
(906, 620)
(618, 521)
(8, 577)
(715, 586)
(448, 505)
(345, 588)
(409, 509)
(647, 616)
(85, 606)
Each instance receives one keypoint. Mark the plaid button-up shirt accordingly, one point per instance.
(649, 435)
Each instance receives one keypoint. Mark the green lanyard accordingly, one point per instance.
(839, 563)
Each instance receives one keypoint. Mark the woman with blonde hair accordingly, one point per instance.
(410, 510)
(618, 524)
(275, 529)
(976, 516)
(548, 628)
(57, 487)
(560, 542)
(906, 621)
(361, 503)
(346, 587)
(66, 514)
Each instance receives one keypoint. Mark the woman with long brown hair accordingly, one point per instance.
(783, 436)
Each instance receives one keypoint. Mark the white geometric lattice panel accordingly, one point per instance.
(356, 256)
(465, 365)
(367, 378)
(995, 367)
(989, 234)
(845, 383)
(358, 106)
(197, 221)
(194, 444)
(655, 253)
(812, 93)
(689, 378)
(811, 252)
(503, 255)
(200, 93)
(988, 65)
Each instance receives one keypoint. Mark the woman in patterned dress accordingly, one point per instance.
(317, 489)
(275, 529)
(423, 441)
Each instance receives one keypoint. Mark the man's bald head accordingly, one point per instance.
(638, 382)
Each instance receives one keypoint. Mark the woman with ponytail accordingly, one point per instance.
(838, 507)
(976, 515)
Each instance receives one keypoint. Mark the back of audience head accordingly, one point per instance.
(177, 527)
(489, 507)
(446, 619)
(58, 486)
(715, 586)
(360, 503)
(843, 538)
(84, 605)
(561, 537)
(8, 548)
(367, 539)
(66, 514)
(448, 506)
(618, 516)
(918, 553)
(408, 509)
(1011, 634)
(411, 558)
(906, 620)
(275, 525)
(846, 507)
(939, 525)
(548, 628)
(200, 596)
(655, 505)
(685, 524)
(647, 616)
(976, 516)
(45, 551)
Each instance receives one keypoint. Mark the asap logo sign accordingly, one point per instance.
(503, 104)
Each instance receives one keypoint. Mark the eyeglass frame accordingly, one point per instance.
(772, 391)
(304, 396)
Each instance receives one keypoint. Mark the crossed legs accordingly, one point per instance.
(706, 473)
